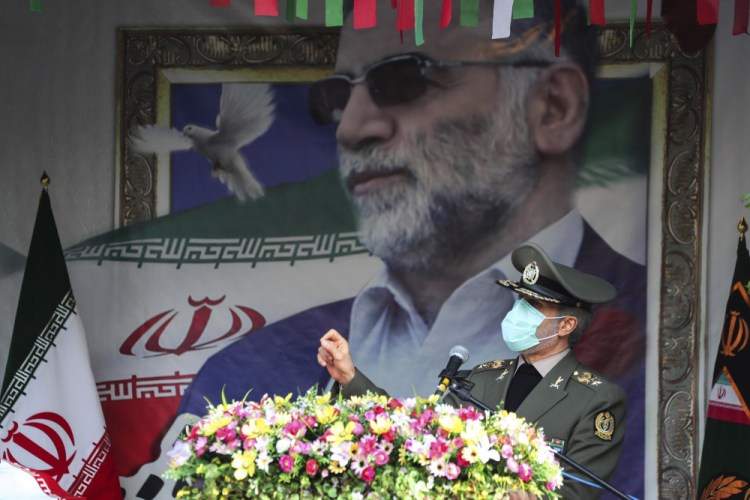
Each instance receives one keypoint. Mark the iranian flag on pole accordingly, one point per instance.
(50, 416)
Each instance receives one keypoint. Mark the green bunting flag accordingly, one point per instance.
(469, 16)
(523, 9)
(301, 9)
(725, 468)
(334, 12)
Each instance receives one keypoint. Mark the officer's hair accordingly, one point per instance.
(584, 320)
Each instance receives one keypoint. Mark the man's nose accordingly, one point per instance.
(363, 122)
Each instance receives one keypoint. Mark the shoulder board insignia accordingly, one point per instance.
(604, 426)
(498, 363)
(589, 379)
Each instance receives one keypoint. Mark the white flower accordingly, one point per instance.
(282, 445)
(486, 451)
(263, 461)
(179, 454)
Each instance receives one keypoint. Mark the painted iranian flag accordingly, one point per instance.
(50, 416)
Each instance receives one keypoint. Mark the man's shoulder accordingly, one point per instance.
(495, 365)
(591, 380)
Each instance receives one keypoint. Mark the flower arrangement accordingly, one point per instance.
(363, 447)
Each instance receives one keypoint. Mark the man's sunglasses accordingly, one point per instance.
(395, 80)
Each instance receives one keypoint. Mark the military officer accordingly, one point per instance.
(582, 413)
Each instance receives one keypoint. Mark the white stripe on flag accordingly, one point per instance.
(501, 15)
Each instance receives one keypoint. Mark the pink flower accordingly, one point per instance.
(367, 444)
(506, 451)
(551, 484)
(438, 448)
(295, 428)
(468, 413)
(368, 474)
(286, 462)
(511, 464)
(390, 435)
(311, 467)
(461, 461)
(358, 429)
(381, 457)
(453, 471)
(525, 472)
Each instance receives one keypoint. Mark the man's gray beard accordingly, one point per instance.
(464, 178)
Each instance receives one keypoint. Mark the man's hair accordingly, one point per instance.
(584, 320)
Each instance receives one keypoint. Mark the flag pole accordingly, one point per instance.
(742, 227)
(44, 180)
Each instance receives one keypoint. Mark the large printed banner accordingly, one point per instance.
(231, 286)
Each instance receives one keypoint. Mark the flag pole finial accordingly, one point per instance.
(44, 180)
(742, 227)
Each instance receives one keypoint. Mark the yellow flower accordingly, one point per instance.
(451, 423)
(324, 399)
(244, 464)
(325, 414)
(340, 433)
(433, 399)
(336, 468)
(381, 424)
(215, 424)
(255, 427)
(279, 401)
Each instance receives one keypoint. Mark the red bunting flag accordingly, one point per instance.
(649, 9)
(266, 8)
(220, 3)
(741, 14)
(447, 12)
(596, 12)
(365, 14)
(405, 15)
(558, 25)
(708, 11)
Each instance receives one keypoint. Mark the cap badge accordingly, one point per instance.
(531, 273)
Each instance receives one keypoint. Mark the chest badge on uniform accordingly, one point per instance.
(604, 426)
(557, 445)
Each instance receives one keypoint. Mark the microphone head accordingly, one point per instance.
(461, 352)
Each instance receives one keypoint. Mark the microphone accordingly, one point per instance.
(458, 356)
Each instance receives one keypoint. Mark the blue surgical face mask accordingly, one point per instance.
(520, 324)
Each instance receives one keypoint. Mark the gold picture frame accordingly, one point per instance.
(150, 59)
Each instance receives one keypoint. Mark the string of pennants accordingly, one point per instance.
(704, 13)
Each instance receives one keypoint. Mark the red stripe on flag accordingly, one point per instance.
(220, 3)
(649, 9)
(446, 13)
(266, 8)
(741, 14)
(727, 414)
(405, 15)
(364, 14)
(708, 11)
(596, 12)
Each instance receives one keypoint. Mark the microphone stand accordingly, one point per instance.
(462, 387)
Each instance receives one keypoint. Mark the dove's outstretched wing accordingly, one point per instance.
(159, 139)
(245, 113)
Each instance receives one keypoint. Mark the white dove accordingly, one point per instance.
(245, 113)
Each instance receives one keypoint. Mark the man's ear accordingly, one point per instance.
(567, 325)
(558, 105)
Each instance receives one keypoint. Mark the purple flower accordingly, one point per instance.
(512, 464)
(286, 462)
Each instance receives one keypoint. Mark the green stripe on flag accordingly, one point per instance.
(302, 9)
(45, 284)
(418, 21)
